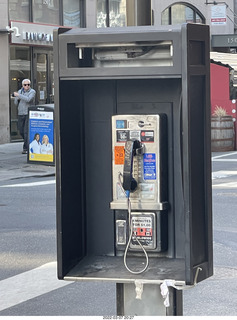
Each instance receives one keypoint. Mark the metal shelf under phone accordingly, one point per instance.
(111, 268)
(144, 206)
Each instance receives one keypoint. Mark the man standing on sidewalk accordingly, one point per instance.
(24, 98)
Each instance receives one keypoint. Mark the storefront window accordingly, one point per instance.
(71, 13)
(165, 17)
(180, 13)
(43, 75)
(102, 13)
(115, 10)
(46, 11)
(19, 70)
(117, 13)
(19, 10)
(198, 19)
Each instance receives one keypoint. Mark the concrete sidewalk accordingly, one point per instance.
(13, 164)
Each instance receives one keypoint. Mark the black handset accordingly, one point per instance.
(131, 148)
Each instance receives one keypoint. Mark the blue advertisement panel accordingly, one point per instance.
(41, 136)
(149, 165)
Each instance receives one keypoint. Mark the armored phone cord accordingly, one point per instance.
(127, 194)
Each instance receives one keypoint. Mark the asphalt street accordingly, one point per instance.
(28, 282)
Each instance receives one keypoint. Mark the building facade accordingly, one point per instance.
(27, 52)
(26, 40)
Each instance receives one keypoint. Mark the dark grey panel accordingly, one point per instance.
(71, 234)
(162, 96)
(99, 106)
(85, 222)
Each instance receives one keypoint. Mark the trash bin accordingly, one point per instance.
(41, 134)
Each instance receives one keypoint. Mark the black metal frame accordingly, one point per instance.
(85, 97)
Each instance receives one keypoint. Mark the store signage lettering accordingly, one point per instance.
(232, 40)
(224, 41)
(33, 34)
(37, 36)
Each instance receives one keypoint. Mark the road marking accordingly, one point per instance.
(30, 284)
(231, 185)
(29, 184)
(225, 155)
(225, 160)
(220, 158)
(223, 174)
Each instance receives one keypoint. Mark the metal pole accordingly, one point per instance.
(151, 302)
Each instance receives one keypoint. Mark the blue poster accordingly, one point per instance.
(149, 166)
(41, 136)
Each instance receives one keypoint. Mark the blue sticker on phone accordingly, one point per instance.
(121, 124)
(149, 166)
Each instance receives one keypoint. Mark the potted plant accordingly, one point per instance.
(222, 131)
(219, 112)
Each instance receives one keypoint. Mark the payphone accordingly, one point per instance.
(139, 144)
(158, 206)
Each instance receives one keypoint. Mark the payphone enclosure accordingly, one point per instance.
(114, 87)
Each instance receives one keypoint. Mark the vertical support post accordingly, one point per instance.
(151, 302)
(138, 12)
(4, 76)
(91, 14)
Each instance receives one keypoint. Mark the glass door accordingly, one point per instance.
(43, 75)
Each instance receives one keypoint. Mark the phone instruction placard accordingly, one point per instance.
(149, 166)
(143, 226)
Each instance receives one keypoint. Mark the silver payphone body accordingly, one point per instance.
(139, 144)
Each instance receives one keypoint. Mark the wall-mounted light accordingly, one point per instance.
(12, 30)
